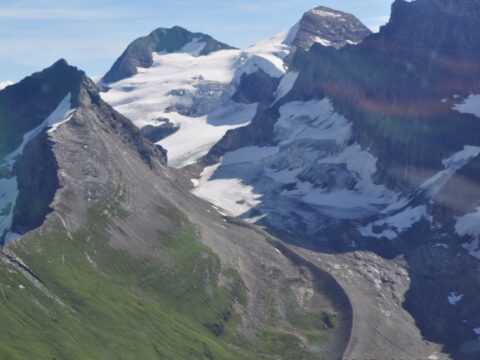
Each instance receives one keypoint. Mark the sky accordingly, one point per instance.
(92, 34)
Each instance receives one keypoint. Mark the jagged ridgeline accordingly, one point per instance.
(119, 261)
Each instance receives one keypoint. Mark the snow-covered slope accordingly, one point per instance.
(194, 93)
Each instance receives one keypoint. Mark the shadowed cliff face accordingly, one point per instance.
(36, 173)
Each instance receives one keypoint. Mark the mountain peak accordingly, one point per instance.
(328, 27)
(162, 40)
(61, 63)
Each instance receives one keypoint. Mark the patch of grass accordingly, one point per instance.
(315, 325)
(237, 286)
(121, 307)
(316, 338)
(117, 307)
(312, 321)
(283, 345)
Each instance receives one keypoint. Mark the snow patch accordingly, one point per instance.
(4, 84)
(454, 298)
(471, 105)
(286, 84)
(473, 248)
(469, 225)
(394, 225)
(228, 193)
(325, 13)
(292, 34)
(314, 120)
(267, 55)
(194, 47)
(454, 163)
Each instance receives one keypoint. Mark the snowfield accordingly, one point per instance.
(194, 93)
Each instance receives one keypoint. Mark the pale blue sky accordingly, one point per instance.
(91, 34)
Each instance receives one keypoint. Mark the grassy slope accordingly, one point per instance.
(118, 307)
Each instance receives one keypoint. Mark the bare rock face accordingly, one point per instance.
(257, 87)
(139, 53)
